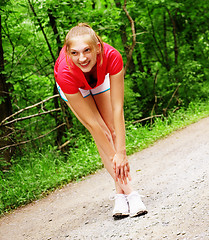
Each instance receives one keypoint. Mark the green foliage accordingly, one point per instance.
(37, 173)
(29, 62)
(168, 71)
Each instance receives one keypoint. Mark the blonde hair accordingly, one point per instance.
(80, 30)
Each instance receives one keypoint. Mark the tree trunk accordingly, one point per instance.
(124, 38)
(158, 50)
(131, 48)
(64, 107)
(165, 42)
(42, 29)
(139, 60)
(52, 21)
(173, 21)
(176, 52)
(58, 119)
(5, 105)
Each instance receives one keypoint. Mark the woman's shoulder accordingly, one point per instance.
(108, 48)
(113, 59)
(111, 52)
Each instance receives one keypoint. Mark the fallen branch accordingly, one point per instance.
(147, 118)
(64, 144)
(24, 142)
(29, 107)
(173, 95)
(177, 108)
(31, 116)
(14, 131)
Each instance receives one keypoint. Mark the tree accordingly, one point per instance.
(5, 104)
(163, 43)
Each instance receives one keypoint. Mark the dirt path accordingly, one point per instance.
(174, 179)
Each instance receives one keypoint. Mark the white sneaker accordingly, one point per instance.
(121, 206)
(136, 206)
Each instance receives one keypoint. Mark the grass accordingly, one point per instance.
(35, 175)
(139, 137)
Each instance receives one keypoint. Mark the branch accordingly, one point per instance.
(155, 39)
(29, 107)
(22, 56)
(165, 41)
(31, 116)
(147, 118)
(173, 21)
(173, 95)
(154, 91)
(42, 29)
(14, 131)
(64, 144)
(133, 34)
(42, 67)
(41, 136)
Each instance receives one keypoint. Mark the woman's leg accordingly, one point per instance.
(120, 188)
(104, 106)
(87, 112)
(103, 103)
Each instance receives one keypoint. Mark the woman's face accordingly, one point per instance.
(82, 53)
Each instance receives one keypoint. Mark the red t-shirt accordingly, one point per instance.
(70, 77)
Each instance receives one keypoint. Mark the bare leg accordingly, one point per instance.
(120, 188)
(96, 119)
(104, 106)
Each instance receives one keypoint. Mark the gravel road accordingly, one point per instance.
(173, 176)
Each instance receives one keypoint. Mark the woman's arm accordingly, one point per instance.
(121, 164)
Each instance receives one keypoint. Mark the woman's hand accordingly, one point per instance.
(121, 168)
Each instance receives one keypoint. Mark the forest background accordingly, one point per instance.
(165, 46)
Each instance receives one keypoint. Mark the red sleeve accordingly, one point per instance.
(64, 77)
(66, 82)
(114, 61)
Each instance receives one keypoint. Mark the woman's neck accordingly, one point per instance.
(92, 72)
(91, 76)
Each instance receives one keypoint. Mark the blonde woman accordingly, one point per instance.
(90, 78)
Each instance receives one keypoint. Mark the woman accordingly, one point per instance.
(90, 78)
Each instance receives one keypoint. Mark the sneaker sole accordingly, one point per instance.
(120, 215)
(140, 213)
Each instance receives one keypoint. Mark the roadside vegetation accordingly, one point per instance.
(37, 173)
(165, 46)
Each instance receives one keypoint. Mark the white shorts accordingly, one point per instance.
(105, 86)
